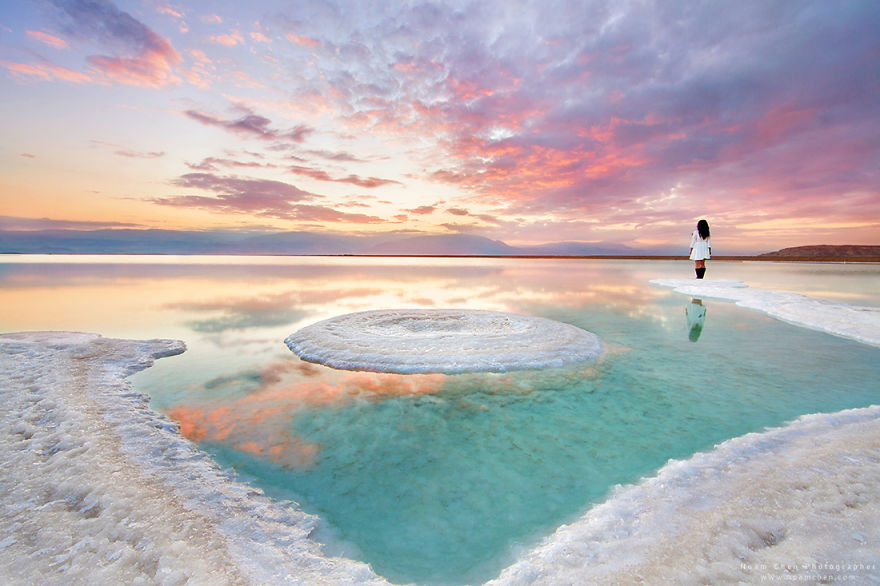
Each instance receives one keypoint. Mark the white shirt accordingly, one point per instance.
(700, 249)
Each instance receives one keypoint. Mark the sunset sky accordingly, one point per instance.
(528, 122)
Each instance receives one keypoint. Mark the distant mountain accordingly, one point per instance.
(174, 242)
(132, 241)
(827, 251)
(115, 241)
(577, 249)
(299, 243)
(443, 244)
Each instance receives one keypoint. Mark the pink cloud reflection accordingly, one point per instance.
(258, 422)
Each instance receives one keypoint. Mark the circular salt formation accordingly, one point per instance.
(442, 340)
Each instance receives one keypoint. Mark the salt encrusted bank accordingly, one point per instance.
(96, 488)
(841, 319)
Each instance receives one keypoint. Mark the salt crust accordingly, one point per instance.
(849, 321)
(96, 488)
(446, 341)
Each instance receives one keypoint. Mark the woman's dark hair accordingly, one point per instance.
(703, 229)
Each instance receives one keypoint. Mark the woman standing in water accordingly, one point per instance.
(701, 248)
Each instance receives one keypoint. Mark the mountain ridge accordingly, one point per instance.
(158, 241)
(826, 251)
(304, 243)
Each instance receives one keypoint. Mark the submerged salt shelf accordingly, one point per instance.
(850, 321)
(408, 341)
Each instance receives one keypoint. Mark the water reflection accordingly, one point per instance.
(251, 411)
(695, 313)
(218, 302)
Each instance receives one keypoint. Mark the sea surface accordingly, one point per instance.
(435, 478)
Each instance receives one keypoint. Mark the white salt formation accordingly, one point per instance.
(96, 488)
(442, 340)
(849, 321)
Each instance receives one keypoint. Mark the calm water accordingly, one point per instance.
(435, 478)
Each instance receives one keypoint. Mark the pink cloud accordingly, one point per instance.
(229, 39)
(320, 175)
(202, 70)
(45, 72)
(151, 70)
(212, 163)
(48, 39)
(302, 41)
(252, 125)
(259, 421)
(152, 59)
(129, 153)
(259, 197)
(422, 210)
(175, 11)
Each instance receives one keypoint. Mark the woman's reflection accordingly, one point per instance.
(696, 317)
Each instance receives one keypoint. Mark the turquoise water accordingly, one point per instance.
(444, 479)
(433, 487)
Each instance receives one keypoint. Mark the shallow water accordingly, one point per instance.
(435, 478)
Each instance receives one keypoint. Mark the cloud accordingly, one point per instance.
(262, 311)
(229, 39)
(212, 164)
(252, 125)
(44, 72)
(422, 210)
(488, 218)
(259, 197)
(151, 58)
(319, 175)
(302, 41)
(339, 156)
(48, 39)
(129, 153)
(14, 223)
(175, 11)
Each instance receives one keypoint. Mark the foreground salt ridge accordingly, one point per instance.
(98, 488)
(793, 503)
(850, 321)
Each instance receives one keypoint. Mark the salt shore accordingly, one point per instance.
(849, 321)
(96, 487)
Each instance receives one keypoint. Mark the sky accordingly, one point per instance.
(525, 121)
